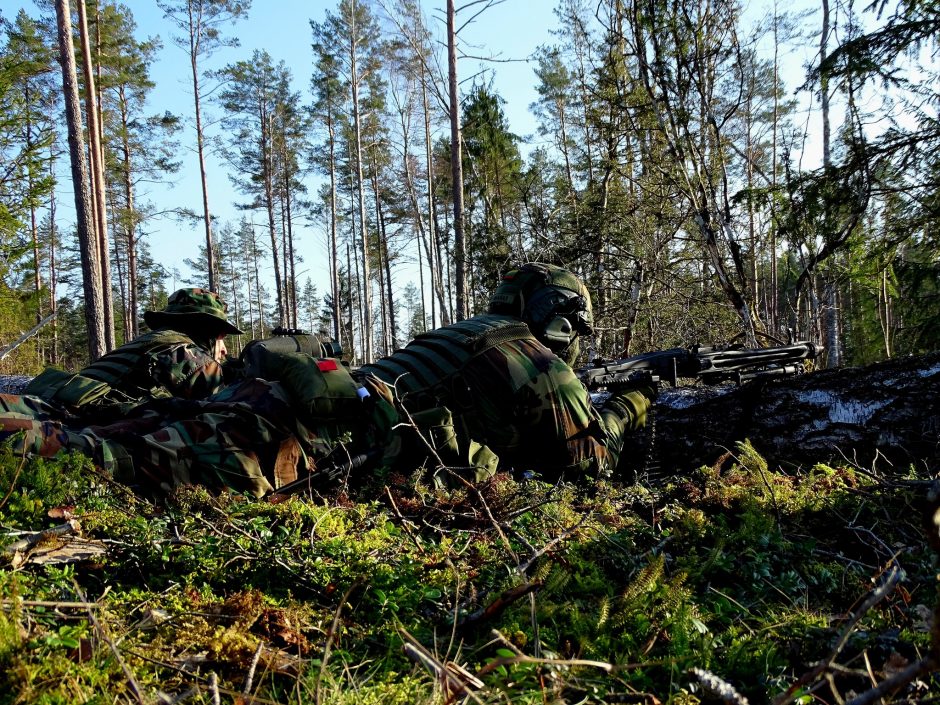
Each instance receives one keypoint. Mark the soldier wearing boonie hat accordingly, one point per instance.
(179, 357)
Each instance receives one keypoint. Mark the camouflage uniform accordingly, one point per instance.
(507, 393)
(252, 437)
(173, 360)
(475, 389)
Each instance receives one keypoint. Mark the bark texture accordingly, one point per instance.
(881, 416)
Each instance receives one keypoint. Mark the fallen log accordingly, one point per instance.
(881, 416)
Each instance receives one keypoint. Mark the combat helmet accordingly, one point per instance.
(196, 310)
(551, 300)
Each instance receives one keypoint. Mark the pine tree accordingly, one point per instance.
(351, 39)
(139, 147)
(200, 22)
(493, 169)
(259, 106)
(85, 216)
(29, 101)
(327, 111)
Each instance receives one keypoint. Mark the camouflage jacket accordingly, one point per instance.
(252, 437)
(525, 404)
(161, 363)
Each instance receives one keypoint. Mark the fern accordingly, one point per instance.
(645, 580)
(603, 612)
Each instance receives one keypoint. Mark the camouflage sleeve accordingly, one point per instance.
(188, 372)
(536, 415)
(622, 413)
(566, 435)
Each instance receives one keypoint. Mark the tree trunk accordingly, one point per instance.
(360, 189)
(194, 38)
(456, 167)
(437, 288)
(292, 259)
(98, 189)
(33, 225)
(131, 326)
(334, 253)
(881, 416)
(53, 272)
(267, 177)
(84, 208)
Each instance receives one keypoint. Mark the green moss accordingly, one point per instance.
(745, 570)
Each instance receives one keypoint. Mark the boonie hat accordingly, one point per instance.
(193, 307)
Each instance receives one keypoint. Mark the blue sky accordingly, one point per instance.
(511, 31)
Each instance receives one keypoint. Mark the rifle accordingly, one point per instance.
(327, 473)
(711, 364)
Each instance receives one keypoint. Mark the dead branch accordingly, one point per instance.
(7, 349)
(72, 526)
(331, 634)
(824, 666)
(522, 568)
(895, 682)
(456, 681)
(103, 634)
(499, 605)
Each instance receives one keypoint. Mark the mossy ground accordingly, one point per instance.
(534, 594)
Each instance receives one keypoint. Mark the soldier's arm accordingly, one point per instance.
(622, 413)
(564, 432)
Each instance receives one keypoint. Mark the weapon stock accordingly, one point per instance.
(326, 474)
(711, 364)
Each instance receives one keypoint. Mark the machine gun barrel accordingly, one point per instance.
(710, 364)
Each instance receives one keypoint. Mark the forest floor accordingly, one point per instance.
(736, 582)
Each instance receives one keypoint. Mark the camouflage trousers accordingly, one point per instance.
(246, 438)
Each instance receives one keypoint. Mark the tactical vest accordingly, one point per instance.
(127, 369)
(428, 372)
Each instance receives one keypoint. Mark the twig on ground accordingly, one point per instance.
(456, 681)
(524, 567)
(214, 689)
(486, 509)
(876, 596)
(330, 635)
(102, 632)
(167, 699)
(509, 661)
(890, 685)
(499, 605)
(9, 604)
(16, 476)
(246, 690)
(404, 522)
(72, 526)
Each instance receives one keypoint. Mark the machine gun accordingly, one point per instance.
(712, 365)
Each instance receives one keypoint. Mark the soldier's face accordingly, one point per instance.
(219, 351)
